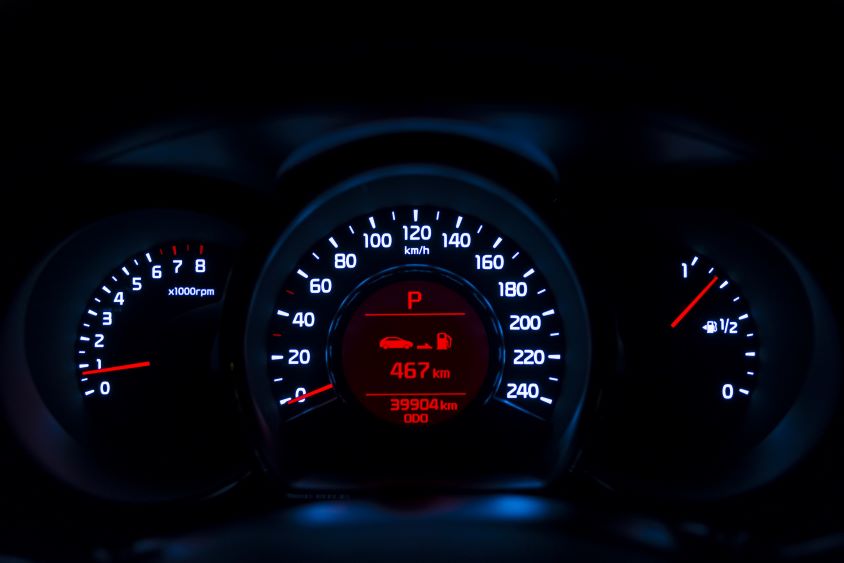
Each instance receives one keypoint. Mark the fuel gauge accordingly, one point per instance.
(713, 336)
(690, 342)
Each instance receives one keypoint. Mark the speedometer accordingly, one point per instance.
(414, 311)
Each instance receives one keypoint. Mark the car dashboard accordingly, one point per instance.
(443, 325)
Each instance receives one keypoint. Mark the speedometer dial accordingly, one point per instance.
(416, 313)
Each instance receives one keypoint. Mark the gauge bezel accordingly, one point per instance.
(40, 383)
(420, 185)
(799, 369)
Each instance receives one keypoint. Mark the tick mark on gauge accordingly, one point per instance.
(114, 278)
(372, 222)
(84, 339)
(725, 284)
(694, 260)
(149, 258)
(750, 334)
(547, 313)
(277, 334)
(107, 290)
(514, 256)
(438, 216)
(552, 378)
(281, 313)
(276, 357)
(554, 334)
(415, 215)
(302, 274)
(86, 325)
(750, 354)
(546, 400)
(277, 379)
(751, 373)
(744, 316)
(351, 230)
(83, 366)
(136, 262)
(711, 270)
(529, 273)
(541, 291)
(332, 241)
(97, 299)
(289, 292)
(459, 222)
(125, 271)
(173, 248)
(481, 228)
(744, 391)
(314, 254)
(201, 249)
(554, 356)
(393, 215)
(92, 313)
(284, 401)
(89, 392)
(736, 299)
(497, 242)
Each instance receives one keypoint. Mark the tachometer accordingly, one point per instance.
(150, 324)
(121, 335)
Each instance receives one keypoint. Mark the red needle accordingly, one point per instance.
(691, 306)
(311, 394)
(124, 367)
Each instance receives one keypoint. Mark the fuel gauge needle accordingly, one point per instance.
(694, 302)
(123, 367)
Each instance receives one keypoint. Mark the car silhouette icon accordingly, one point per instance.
(395, 343)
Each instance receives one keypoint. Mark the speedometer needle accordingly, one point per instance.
(124, 367)
(694, 302)
(311, 394)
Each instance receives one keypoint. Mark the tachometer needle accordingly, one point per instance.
(124, 367)
(311, 394)
(694, 302)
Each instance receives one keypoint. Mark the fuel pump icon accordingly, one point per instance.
(443, 341)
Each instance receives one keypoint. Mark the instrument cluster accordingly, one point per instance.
(415, 321)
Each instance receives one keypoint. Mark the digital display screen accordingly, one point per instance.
(415, 352)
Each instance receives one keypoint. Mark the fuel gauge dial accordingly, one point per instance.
(691, 343)
(713, 335)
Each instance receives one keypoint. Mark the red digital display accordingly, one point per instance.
(415, 352)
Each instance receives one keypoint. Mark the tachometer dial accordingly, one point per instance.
(145, 336)
(120, 339)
